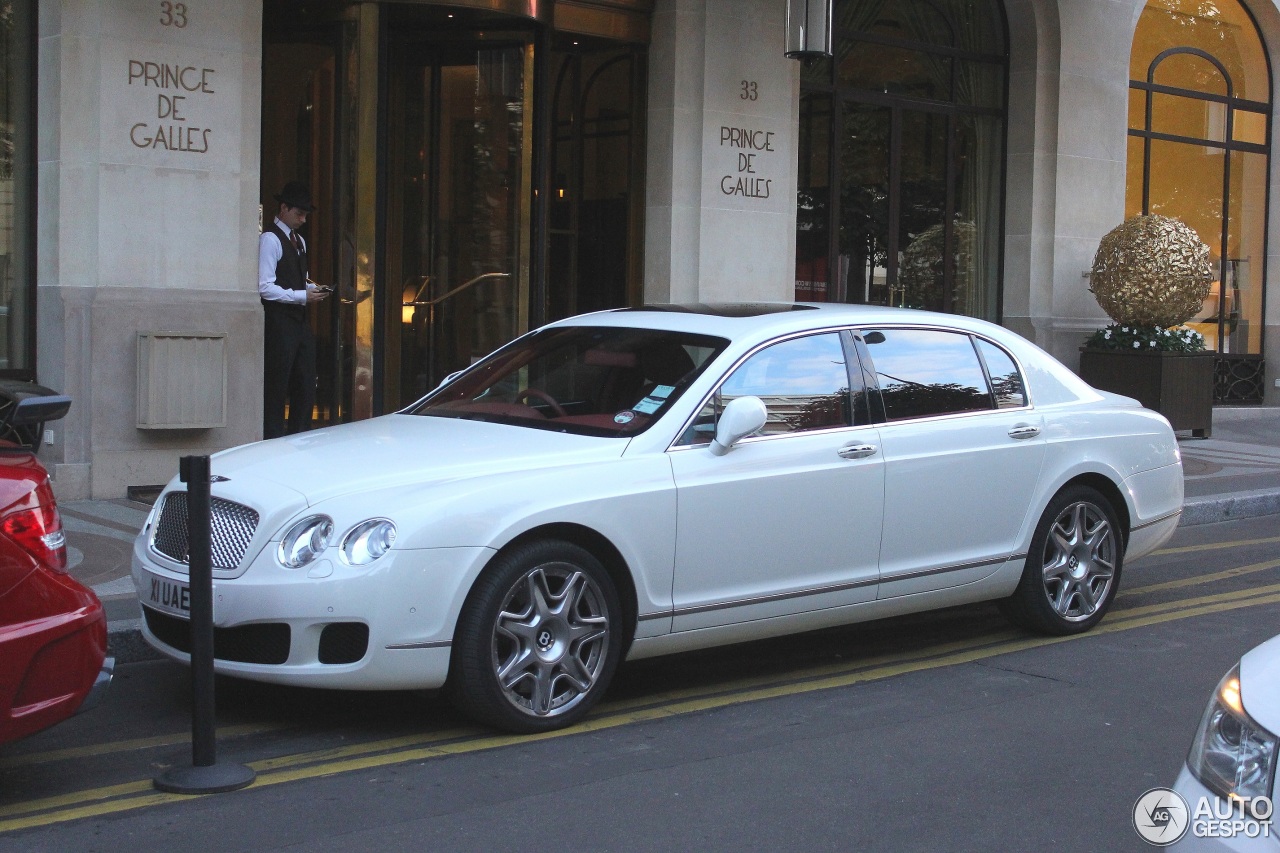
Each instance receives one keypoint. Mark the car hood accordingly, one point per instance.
(1260, 684)
(397, 450)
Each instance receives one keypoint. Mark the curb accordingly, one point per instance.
(1228, 507)
(124, 637)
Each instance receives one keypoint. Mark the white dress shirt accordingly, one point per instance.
(270, 251)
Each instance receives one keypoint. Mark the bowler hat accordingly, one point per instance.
(296, 194)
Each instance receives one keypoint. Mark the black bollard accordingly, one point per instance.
(206, 775)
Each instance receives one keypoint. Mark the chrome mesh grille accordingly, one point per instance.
(232, 526)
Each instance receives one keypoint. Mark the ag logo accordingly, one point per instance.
(1161, 816)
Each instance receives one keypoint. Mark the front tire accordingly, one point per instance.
(1073, 568)
(538, 639)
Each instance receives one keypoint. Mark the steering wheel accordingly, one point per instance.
(545, 398)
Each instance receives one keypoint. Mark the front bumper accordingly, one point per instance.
(408, 601)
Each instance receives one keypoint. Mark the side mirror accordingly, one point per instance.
(24, 408)
(739, 419)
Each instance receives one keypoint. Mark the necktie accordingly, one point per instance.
(297, 241)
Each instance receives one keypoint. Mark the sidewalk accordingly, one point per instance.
(1233, 474)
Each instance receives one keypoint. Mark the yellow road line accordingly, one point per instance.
(648, 699)
(1213, 546)
(1134, 618)
(128, 745)
(1226, 574)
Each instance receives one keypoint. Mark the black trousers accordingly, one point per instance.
(288, 374)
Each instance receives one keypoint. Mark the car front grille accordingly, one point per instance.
(232, 527)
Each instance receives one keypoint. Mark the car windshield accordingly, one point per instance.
(589, 380)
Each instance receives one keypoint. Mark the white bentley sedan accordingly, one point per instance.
(638, 482)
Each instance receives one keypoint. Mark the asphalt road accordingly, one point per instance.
(944, 731)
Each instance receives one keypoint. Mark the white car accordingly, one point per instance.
(638, 482)
(1228, 784)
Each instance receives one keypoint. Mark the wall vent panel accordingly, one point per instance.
(182, 380)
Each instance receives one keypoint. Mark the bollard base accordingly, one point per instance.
(215, 779)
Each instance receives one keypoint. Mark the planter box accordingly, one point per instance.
(1177, 385)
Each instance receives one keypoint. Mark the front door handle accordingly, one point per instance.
(1024, 431)
(857, 451)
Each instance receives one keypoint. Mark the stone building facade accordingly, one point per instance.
(483, 166)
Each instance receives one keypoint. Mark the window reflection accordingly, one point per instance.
(592, 258)
(1006, 381)
(911, 109)
(1209, 165)
(923, 373)
(803, 382)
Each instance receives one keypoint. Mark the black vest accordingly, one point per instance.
(291, 274)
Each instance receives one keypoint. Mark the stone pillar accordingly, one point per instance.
(722, 132)
(149, 133)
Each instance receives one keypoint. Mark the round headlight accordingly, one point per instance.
(368, 541)
(304, 541)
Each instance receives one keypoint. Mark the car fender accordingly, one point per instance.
(631, 503)
(1119, 445)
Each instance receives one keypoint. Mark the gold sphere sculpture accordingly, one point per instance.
(1151, 271)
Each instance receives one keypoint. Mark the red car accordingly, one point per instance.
(53, 633)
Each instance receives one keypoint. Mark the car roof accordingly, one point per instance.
(738, 320)
(747, 325)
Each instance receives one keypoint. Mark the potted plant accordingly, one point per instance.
(1151, 274)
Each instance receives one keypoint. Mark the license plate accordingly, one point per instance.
(171, 596)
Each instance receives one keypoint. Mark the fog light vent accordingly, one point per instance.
(344, 642)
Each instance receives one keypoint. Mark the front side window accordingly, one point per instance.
(17, 188)
(803, 383)
(925, 372)
(585, 380)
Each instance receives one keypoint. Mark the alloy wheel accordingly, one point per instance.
(1079, 561)
(550, 639)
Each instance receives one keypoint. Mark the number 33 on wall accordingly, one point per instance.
(749, 90)
(173, 14)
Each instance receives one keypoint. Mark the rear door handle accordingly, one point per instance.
(857, 451)
(1024, 431)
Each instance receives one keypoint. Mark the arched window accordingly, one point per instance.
(1199, 102)
(906, 123)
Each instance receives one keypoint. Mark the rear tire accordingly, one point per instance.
(1073, 568)
(538, 639)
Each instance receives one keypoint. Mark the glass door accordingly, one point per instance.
(305, 60)
(456, 206)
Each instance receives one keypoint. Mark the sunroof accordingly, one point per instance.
(726, 309)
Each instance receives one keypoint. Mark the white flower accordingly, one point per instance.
(1107, 334)
(1136, 344)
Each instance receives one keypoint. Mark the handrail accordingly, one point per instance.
(430, 305)
(433, 302)
(425, 280)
